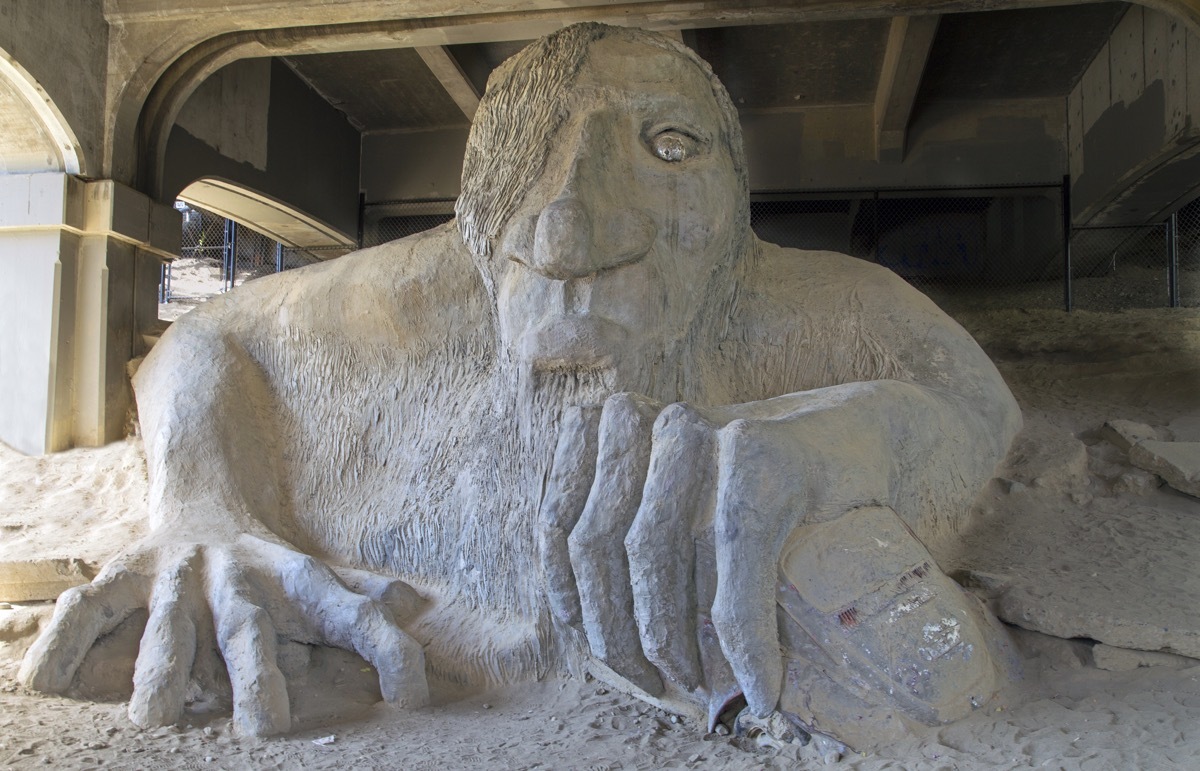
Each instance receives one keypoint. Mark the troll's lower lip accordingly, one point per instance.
(571, 342)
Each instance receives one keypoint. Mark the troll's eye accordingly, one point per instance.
(674, 146)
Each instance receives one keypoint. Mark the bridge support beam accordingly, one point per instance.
(909, 41)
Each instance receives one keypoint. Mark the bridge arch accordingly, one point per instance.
(269, 216)
(34, 135)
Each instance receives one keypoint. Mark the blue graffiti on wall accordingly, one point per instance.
(940, 246)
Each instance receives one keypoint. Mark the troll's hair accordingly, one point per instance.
(525, 105)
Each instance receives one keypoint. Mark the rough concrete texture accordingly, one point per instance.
(1110, 555)
(428, 412)
(1184, 428)
(1044, 458)
(1178, 463)
(18, 625)
(1126, 433)
(1123, 659)
(946, 656)
(27, 581)
(1132, 590)
(1132, 117)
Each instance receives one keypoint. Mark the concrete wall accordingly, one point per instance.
(257, 124)
(38, 262)
(63, 44)
(79, 260)
(1134, 123)
(949, 143)
(412, 165)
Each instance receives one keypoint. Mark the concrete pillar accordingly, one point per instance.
(78, 282)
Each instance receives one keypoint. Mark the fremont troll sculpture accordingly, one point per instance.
(594, 423)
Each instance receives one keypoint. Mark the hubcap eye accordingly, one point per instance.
(674, 146)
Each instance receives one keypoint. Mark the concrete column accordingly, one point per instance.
(78, 281)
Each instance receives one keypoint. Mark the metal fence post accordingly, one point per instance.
(362, 218)
(278, 257)
(1066, 226)
(229, 261)
(875, 223)
(1173, 259)
(164, 282)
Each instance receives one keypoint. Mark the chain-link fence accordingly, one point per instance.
(202, 250)
(1118, 268)
(250, 255)
(1148, 266)
(995, 247)
(290, 257)
(1187, 251)
(389, 220)
(217, 254)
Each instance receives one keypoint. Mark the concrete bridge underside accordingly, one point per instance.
(314, 108)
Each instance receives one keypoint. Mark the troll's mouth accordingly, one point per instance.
(573, 342)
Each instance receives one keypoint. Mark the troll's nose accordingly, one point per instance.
(562, 242)
(567, 244)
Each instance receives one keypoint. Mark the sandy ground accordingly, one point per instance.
(1069, 531)
(194, 280)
